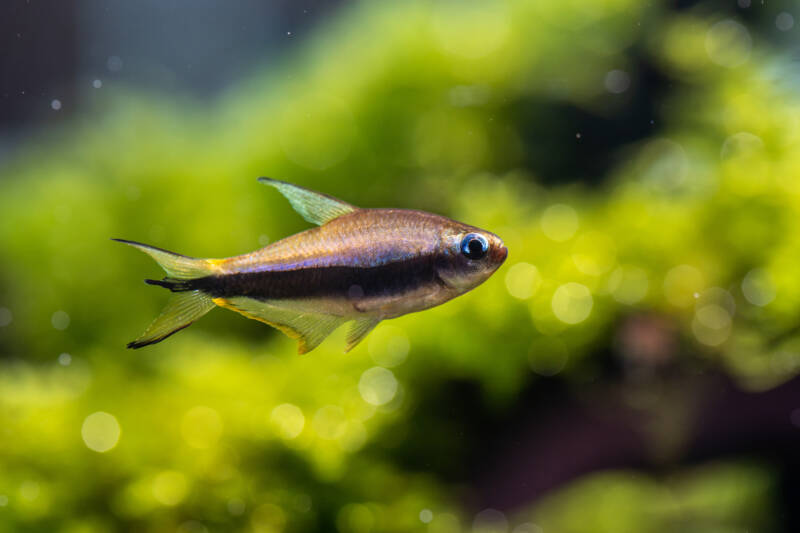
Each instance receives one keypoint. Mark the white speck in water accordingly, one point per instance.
(784, 21)
(289, 33)
(425, 516)
(5, 317)
(97, 84)
(617, 81)
(696, 295)
(60, 320)
(55, 104)
(577, 135)
(114, 64)
(64, 359)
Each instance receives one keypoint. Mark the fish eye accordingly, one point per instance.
(474, 246)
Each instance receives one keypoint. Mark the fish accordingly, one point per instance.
(358, 265)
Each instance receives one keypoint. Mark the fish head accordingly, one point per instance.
(468, 256)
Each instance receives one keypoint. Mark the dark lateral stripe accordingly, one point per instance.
(320, 282)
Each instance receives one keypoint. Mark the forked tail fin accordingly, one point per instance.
(187, 305)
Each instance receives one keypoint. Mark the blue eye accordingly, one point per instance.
(474, 246)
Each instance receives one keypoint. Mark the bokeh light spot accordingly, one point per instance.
(236, 507)
(711, 324)
(5, 317)
(388, 346)
(523, 280)
(268, 518)
(288, 420)
(100, 431)
(64, 359)
(329, 422)
(559, 222)
(60, 320)
(572, 303)
(425, 516)
(742, 144)
(728, 43)
(490, 521)
(681, 283)
(757, 287)
(3, 500)
(170, 487)
(548, 356)
(377, 386)
(784, 21)
(628, 284)
(594, 253)
(201, 427)
(471, 29)
(617, 81)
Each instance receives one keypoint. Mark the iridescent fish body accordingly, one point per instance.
(359, 265)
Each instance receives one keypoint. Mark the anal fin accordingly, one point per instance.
(310, 329)
(359, 329)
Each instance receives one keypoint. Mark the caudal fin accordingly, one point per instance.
(184, 307)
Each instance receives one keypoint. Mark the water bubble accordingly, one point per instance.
(201, 427)
(64, 359)
(728, 43)
(572, 303)
(288, 420)
(100, 431)
(559, 222)
(97, 84)
(523, 280)
(60, 320)
(617, 81)
(757, 287)
(425, 516)
(5, 317)
(594, 253)
(377, 386)
(55, 104)
(784, 21)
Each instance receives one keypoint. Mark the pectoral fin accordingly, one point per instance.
(315, 207)
(310, 329)
(358, 330)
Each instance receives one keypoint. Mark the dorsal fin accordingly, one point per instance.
(313, 206)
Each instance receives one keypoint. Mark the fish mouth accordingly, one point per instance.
(499, 255)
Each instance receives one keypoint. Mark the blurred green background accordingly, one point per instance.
(631, 368)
